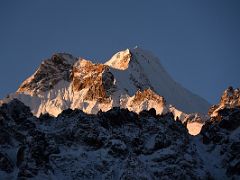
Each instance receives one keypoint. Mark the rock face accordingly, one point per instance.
(96, 78)
(64, 81)
(50, 72)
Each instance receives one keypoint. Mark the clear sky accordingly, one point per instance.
(198, 42)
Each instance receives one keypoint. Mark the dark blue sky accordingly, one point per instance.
(198, 42)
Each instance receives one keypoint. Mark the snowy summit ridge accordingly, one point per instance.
(133, 79)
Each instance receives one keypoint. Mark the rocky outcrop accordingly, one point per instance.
(95, 77)
(145, 100)
(149, 95)
(229, 99)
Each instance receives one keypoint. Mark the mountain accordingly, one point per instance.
(117, 144)
(132, 79)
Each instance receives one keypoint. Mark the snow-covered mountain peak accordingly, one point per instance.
(120, 60)
(145, 71)
(133, 79)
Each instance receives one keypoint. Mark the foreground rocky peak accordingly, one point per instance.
(117, 144)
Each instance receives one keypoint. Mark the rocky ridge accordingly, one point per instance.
(117, 144)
